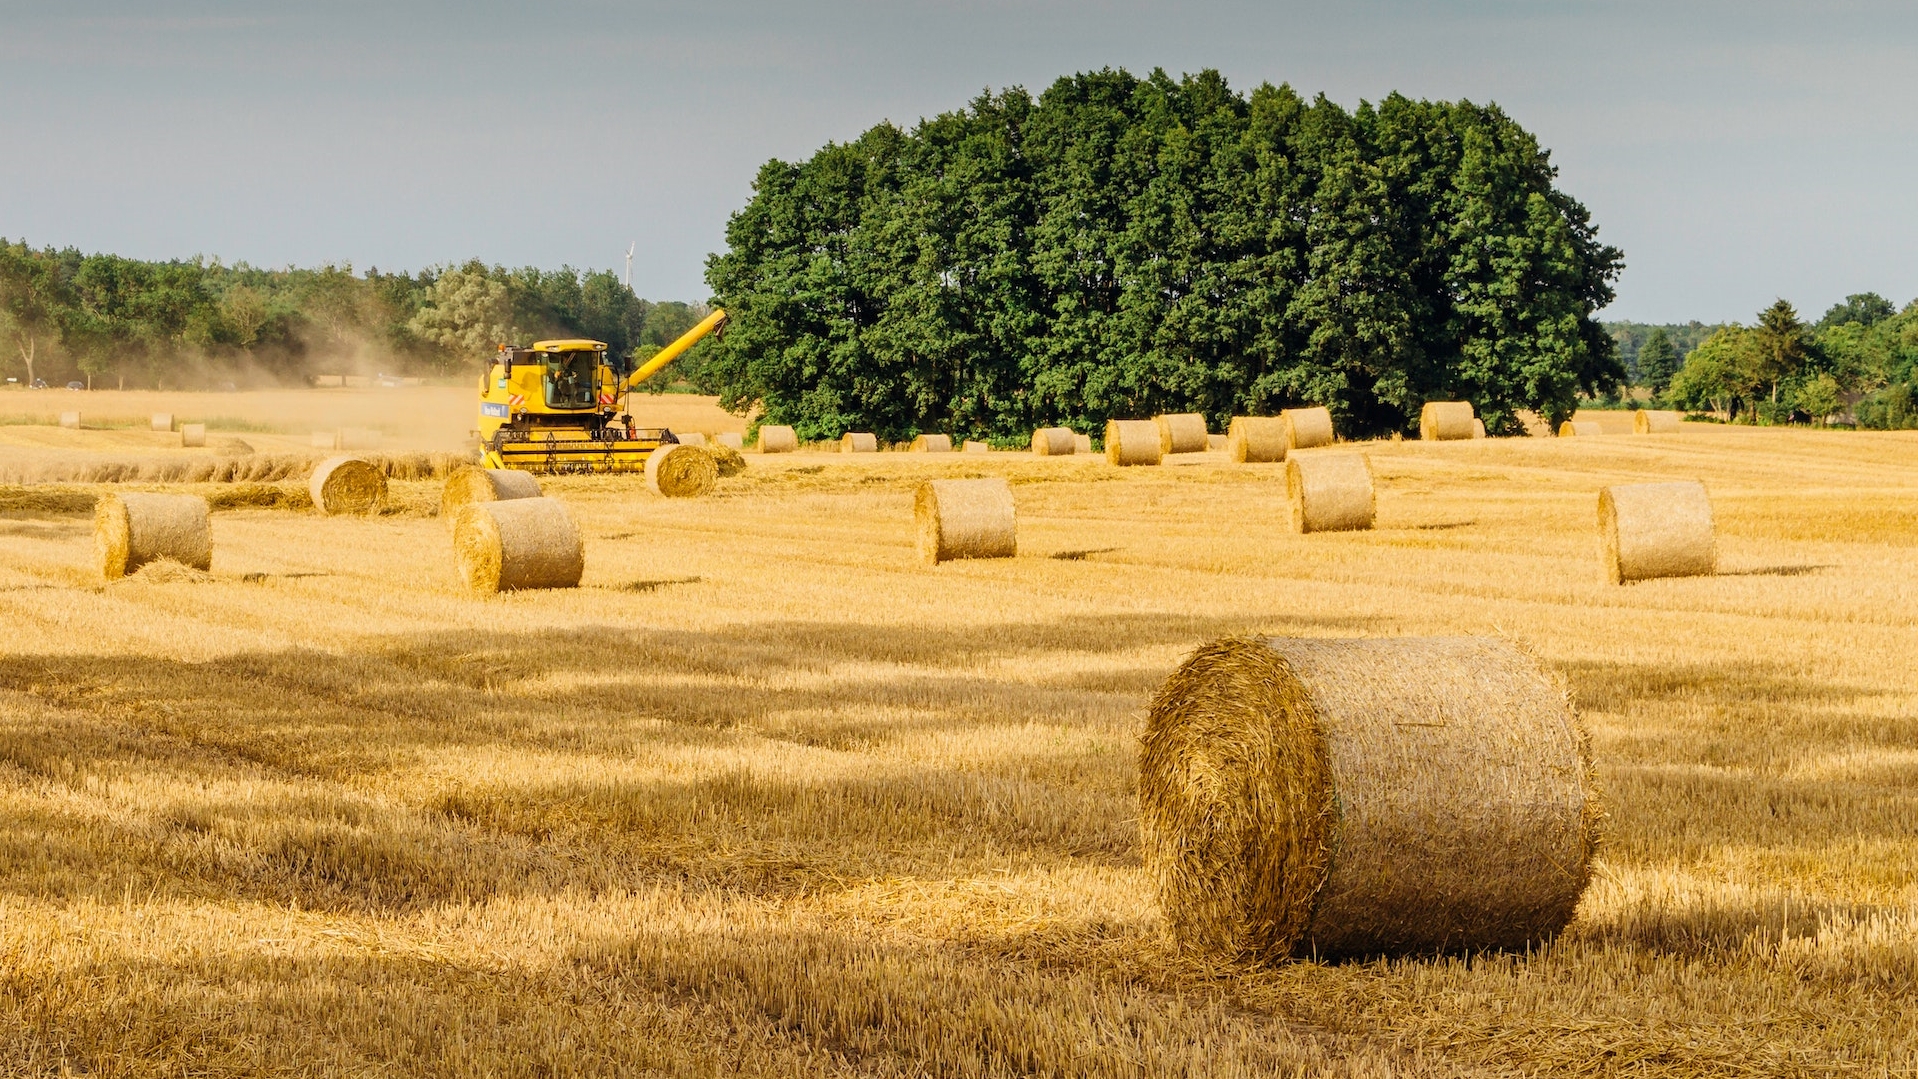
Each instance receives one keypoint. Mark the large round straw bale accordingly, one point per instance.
(1445, 420)
(1365, 797)
(727, 459)
(1580, 428)
(681, 471)
(1329, 491)
(1182, 432)
(777, 438)
(1082, 444)
(1132, 442)
(1054, 442)
(162, 421)
(523, 543)
(1307, 428)
(131, 530)
(1256, 439)
(859, 442)
(1653, 422)
(347, 485)
(1478, 427)
(965, 519)
(975, 446)
(932, 444)
(690, 438)
(70, 419)
(730, 438)
(471, 483)
(1648, 530)
(193, 434)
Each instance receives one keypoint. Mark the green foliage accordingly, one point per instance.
(64, 314)
(1859, 364)
(1657, 361)
(1126, 246)
(1865, 308)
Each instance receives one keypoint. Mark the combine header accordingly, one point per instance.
(555, 407)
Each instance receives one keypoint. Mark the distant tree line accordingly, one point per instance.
(105, 319)
(1857, 364)
(1124, 246)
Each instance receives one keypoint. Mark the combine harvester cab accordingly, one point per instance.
(555, 407)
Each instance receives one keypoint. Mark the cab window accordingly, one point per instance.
(570, 379)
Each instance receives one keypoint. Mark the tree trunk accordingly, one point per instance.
(27, 352)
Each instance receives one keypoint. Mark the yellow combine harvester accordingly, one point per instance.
(554, 407)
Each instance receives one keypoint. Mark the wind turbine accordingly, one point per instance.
(629, 264)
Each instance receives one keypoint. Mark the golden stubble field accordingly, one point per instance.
(767, 796)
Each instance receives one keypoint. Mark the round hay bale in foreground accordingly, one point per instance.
(859, 442)
(1307, 428)
(975, 446)
(1256, 439)
(1364, 797)
(777, 438)
(727, 459)
(965, 519)
(1652, 422)
(690, 438)
(70, 419)
(1443, 421)
(732, 439)
(1132, 442)
(523, 543)
(1648, 530)
(1478, 427)
(1330, 491)
(347, 485)
(470, 484)
(932, 444)
(193, 434)
(678, 471)
(162, 421)
(1082, 444)
(1183, 432)
(1054, 442)
(131, 530)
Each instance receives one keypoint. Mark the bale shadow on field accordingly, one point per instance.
(1775, 571)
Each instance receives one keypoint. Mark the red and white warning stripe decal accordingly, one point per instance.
(607, 399)
(516, 399)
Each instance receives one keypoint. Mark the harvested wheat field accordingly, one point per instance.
(768, 795)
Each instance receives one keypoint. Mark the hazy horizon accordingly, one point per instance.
(1736, 152)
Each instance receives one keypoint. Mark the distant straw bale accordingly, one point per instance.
(965, 519)
(1182, 432)
(859, 442)
(690, 438)
(1365, 797)
(131, 530)
(359, 438)
(162, 421)
(522, 543)
(324, 440)
(975, 446)
(1082, 443)
(932, 444)
(1307, 428)
(1214, 442)
(192, 435)
(777, 438)
(1478, 427)
(347, 485)
(681, 471)
(70, 420)
(727, 459)
(1132, 442)
(732, 439)
(1256, 439)
(329, 380)
(1580, 429)
(1329, 491)
(1654, 422)
(1054, 442)
(1441, 421)
(472, 484)
(1648, 530)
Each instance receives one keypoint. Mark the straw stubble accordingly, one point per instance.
(1360, 797)
(519, 544)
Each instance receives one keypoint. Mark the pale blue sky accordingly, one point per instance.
(1736, 151)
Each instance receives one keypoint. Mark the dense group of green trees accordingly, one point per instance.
(1857, 364)
(117, 321)
(1124, 246)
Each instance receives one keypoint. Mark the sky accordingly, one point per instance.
(1736, 151)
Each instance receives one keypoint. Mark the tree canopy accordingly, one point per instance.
(1123, 246)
